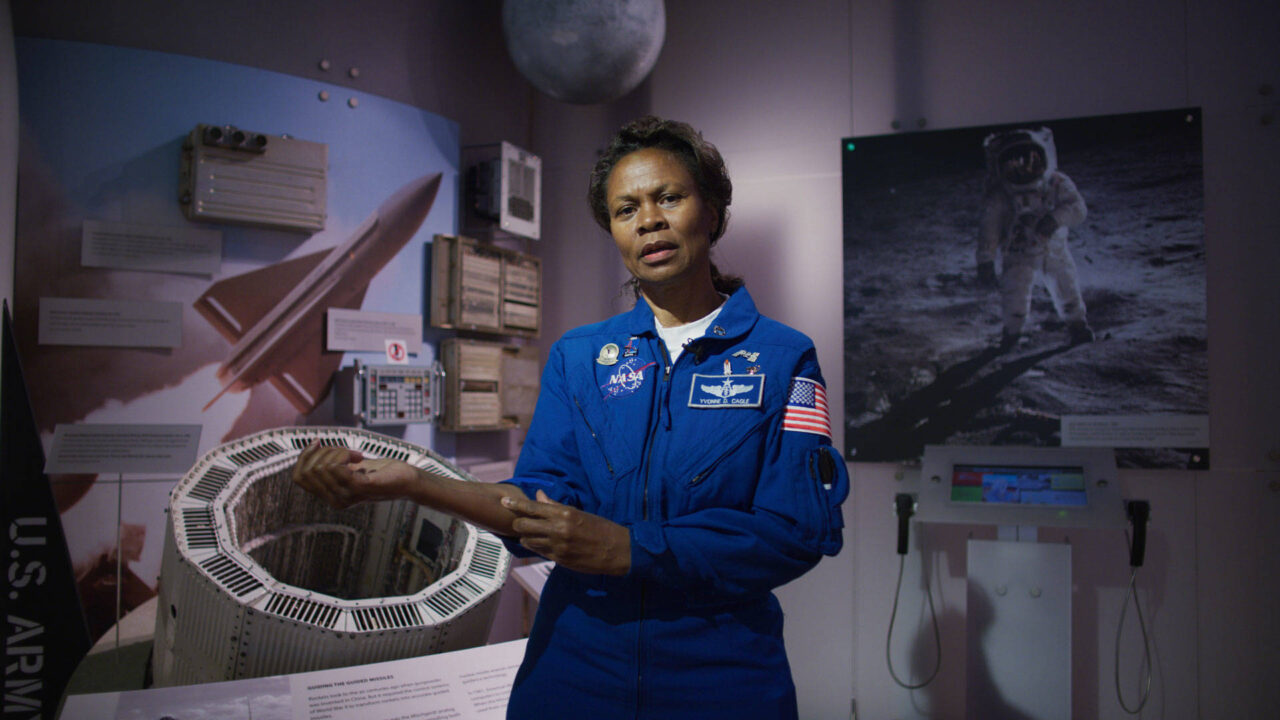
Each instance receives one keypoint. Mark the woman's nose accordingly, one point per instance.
(651, 218)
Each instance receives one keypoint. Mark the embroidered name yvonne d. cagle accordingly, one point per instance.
(726, 391)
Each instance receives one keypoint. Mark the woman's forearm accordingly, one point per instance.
(477, 503)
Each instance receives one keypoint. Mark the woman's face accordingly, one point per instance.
(659, 221)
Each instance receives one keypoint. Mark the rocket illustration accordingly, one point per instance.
(275, 316)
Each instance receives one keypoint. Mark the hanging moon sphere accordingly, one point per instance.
(584, 51)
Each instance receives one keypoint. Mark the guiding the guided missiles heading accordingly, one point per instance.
(678, 468)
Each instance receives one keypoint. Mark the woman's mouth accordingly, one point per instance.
(657, 252)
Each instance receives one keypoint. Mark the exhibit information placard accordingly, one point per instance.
(154, 248)
(122, 448)
(360, 330)
(471, 684)
(1133, 431)
(110, 323)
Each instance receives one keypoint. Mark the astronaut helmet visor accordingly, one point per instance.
(1022, 163)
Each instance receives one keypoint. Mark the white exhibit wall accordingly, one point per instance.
(770, 85)
(582, 273)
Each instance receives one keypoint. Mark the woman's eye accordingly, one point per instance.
(623, 211)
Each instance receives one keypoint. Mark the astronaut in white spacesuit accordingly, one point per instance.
(1028, 208)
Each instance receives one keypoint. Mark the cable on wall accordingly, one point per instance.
(1139, 511)
(905, 507)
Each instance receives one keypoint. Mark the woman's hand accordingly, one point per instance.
(574, 539)
(342, 477)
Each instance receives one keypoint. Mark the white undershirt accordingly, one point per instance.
(678, 336)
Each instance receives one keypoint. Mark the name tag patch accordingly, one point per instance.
(726, 391)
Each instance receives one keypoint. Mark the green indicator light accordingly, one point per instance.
(849, 147)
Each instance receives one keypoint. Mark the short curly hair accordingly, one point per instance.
(700, 158)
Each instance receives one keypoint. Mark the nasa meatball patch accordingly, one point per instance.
(626, 378)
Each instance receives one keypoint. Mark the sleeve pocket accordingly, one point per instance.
(829, 483)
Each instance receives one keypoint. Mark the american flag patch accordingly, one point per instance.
(807, 408)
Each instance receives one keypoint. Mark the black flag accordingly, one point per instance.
(45, 635)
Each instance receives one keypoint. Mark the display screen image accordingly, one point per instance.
(1019, 485)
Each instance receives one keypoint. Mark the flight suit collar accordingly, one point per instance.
(736, 318)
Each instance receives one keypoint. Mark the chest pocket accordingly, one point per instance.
(610, 410)
(607, 430)
(725, 472)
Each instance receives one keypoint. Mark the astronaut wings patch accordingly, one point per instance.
(807, 408)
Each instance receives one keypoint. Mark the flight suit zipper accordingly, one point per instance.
(661, 397)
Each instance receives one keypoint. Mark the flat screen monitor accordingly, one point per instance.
(1058, 486)
(1003, 485)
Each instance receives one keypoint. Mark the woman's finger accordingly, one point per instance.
(522, 506)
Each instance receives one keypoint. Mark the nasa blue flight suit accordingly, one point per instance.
(729, 487)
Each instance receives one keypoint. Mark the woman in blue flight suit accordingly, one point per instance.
(677, 469)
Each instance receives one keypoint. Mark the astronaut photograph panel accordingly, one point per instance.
(1006, 285)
